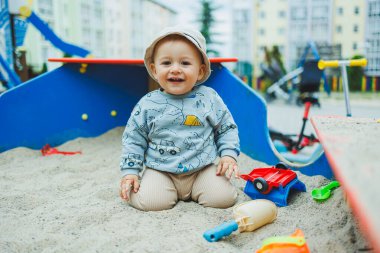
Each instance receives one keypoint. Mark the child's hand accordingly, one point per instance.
(227, 165)
(128, 183)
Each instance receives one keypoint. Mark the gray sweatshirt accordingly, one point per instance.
(178, 134)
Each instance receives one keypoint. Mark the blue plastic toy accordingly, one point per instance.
(278, 195)
(225, 229)
(248, 216)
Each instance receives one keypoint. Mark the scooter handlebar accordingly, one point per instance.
(335, 63)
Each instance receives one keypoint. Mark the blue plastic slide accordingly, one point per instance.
(54, 39)
(13, 78)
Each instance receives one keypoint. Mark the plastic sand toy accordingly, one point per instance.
(264, 179)
(295, 243)
(248, 216)
(48, 150)
(272, 183)
(324, 192)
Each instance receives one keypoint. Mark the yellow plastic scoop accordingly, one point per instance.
(248, 216)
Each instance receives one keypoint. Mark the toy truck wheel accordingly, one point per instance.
(260, 184)
(173, 152)
(161, 151)
(281, 166)
(130, 164)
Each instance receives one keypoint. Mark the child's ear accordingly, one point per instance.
(202, 71)
(153, 70)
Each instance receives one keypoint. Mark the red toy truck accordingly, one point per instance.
(264, 179)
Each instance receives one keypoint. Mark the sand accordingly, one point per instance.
(71, 204)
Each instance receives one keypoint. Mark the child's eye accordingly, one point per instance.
(165, 63)
(186, 63)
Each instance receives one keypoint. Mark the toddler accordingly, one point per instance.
(178, 131)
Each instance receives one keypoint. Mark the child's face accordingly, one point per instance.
(177, 65)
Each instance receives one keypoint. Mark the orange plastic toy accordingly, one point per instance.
(295, 243)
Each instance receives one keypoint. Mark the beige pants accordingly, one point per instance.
(162, 190)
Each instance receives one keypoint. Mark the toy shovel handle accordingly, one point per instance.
(225, 229)
(332, 185)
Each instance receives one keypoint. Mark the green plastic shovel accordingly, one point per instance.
(324, 192)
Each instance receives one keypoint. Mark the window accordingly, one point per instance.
(262, 31)
(355, 46)
(356, 28)
(281, 14)
(262, 14)
(340, 11)
(299, 13)
(338, 29)
(281, 31)
(356, 10)
(65, 9)
(320, 12)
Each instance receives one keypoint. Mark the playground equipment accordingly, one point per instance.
(49, 35)
(49, 108)
(273, 183)
(352, 146)
(248, 216)
(21, 14)
(279, 89)
(308, 87)
(7, 74)
(343, 66)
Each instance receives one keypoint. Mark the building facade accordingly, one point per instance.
(349, 27)
(308, 21)
(373, 38)
(341, 29)
(107, 28)
(242, 43)
(269, 29)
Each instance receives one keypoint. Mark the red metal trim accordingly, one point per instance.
(122, 61)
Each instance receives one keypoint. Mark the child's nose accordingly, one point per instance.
(175, 68)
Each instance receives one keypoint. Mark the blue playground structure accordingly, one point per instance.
(49, 109)
(87, 97)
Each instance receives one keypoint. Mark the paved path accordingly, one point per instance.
(288, 117)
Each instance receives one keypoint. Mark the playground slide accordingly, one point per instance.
(49, 109)
(45, 30)
(12, 76)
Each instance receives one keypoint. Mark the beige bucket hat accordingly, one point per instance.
(193, 36)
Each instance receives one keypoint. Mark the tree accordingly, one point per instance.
(355, 75)
(276, 55)
(207, 21)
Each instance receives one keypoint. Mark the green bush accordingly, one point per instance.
(355, 75)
